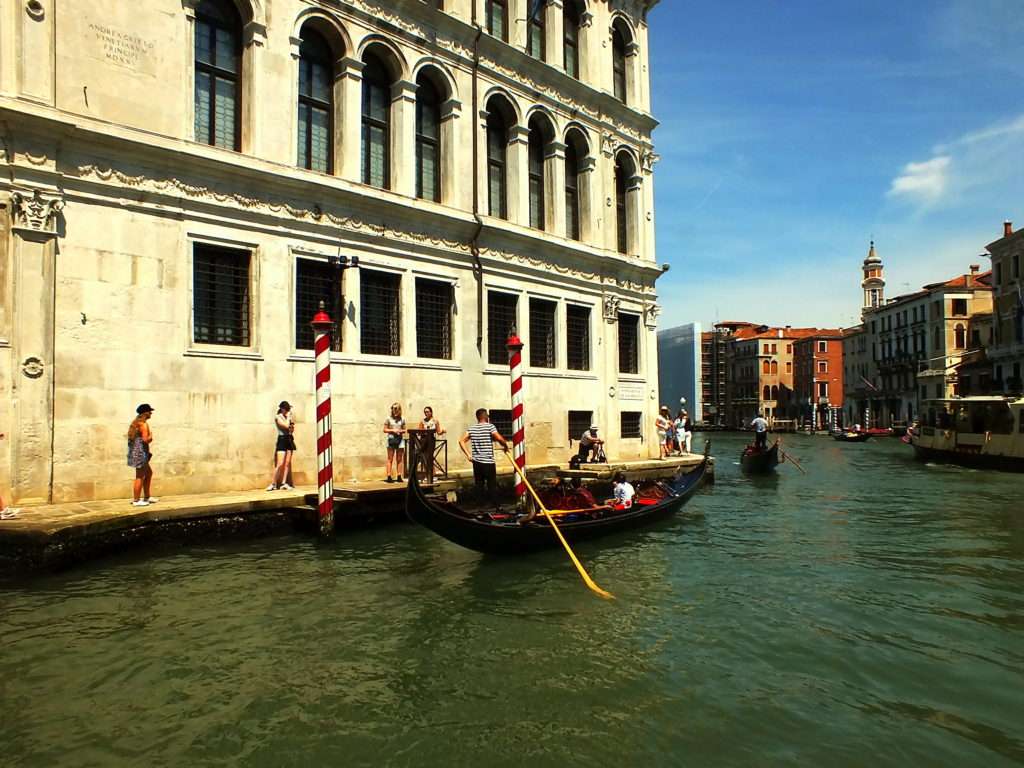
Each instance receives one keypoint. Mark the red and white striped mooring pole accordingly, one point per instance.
(322, 327)
(515, 364)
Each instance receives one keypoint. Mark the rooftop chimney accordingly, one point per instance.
(974, 269)
(1007, 228)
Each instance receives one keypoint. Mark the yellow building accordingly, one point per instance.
(184, 178)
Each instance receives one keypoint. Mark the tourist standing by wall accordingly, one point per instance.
(663, 426)
(140, 437)
(285, 447)
(433, 427)
(394, 428)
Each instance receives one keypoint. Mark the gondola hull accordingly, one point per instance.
(852, 437)
(511, 538)
(759, 462)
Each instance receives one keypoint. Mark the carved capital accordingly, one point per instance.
(36, 211)
(611, 308)
(648, 158)
(651, 312)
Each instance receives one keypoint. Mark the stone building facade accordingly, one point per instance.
(818, 379)
(185, 180)
(1007, 351)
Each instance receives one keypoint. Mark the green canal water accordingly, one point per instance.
(869, 613)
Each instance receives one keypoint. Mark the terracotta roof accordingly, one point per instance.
(977, 280)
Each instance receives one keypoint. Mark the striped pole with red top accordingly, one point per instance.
(515, 364)
(322, 327)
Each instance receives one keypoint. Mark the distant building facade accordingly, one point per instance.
(818, 379)
(680, 362)
(1007, 351)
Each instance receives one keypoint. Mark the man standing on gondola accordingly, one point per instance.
(760, 425)
(480, 438)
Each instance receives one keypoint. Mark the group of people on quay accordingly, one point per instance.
(675, 436)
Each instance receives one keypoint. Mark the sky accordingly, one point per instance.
(792, 133)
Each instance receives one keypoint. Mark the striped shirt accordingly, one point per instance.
(481, 446)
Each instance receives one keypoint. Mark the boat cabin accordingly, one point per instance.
(978, 415)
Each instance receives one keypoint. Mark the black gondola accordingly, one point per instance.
(760, 460)
(483, 534)
(852, 437)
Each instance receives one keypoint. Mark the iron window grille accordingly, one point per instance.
(577, 341)
(380, 326)
(579, 422)
(433, 319)
(376, 124)
(316, 102)
(501, 318)
(629, 343)
(631, 424)
(502, 421)
(316, 281)
(428, 141)
(218, 53)
(220, 284)
(542, 333)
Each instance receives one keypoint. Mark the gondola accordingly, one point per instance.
(851, 437)
(482, 533)
(759, 460)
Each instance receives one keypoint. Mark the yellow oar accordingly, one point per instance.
(572, 555)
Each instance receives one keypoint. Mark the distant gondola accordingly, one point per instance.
(759, 460)
(851, 437)
(482, 533)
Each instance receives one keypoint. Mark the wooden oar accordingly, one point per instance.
(572, 555)
(793, 461)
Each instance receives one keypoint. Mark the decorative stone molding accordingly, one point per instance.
(608, 144)
(648, 159)
(33, 367)
(651, 312)
(36, 211)
(35, 9)
(611, 308)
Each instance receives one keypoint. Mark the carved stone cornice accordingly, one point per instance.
(35, 211)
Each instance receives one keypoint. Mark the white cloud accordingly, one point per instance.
(923, 182)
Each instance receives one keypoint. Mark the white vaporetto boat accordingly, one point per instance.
(982, 431)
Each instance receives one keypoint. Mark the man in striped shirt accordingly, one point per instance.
(480, 438)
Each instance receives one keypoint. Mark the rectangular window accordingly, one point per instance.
(822, 366)
(960, 307)
(789, 366)
(496, 25)
(542, 333)
(315, 282)
(535, 36)
(1016, 266)
(501, 318)
(220, 283)
(502, 421)
(433, 319)
(579, 422)
(823, 346)
(629, 343)
(998, 273)
(380, 327)
(631, 424)
(577, 341)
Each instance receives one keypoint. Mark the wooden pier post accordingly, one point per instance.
(322, 327)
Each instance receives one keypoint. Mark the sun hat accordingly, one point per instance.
(143, 408)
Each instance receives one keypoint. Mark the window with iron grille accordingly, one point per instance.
(501, 318)
(433, 319)
(629, 343)
(380, 321)
(220, 285)
(502, 421)
(579, 422)
(376, 123)
(218, 65)
(577, 337)
(631, 424)
(542, 333)
(316, 102)
(316, 281)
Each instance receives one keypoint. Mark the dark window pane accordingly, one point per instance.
(380, 318)
(433, 319)
(572, 192)
(631, 424)
(619, 65)
(316, 281)
(220, 280)
(571, 34)
(542, 333)
(501, 318)
(502, 421)
(579, 422)
(497, 145)
(428, 144)
(621, 221)
(496, 19)
(376, 123)
(536, 180)
(629, 343)
(577, 342)
(217, 66)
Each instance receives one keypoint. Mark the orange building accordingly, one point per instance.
(818, 379)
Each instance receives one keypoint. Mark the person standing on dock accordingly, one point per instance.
(394, 428)
(434, 430)
(480, 438)
(760, 425)
(140, 437)
(285, 447)
(663, 426)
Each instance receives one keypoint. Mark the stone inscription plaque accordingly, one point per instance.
(126, 49)
(631, 390)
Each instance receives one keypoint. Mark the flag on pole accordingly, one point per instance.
(535, 8)
(870, 386)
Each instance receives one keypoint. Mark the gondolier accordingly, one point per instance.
(480, 438)
(760, 426)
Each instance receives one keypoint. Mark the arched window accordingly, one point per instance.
(619, 64)
(936, 339)
(621, 219)
(572, 190)
(960, 336)
(767, 393)
(497, 18)
(316, 102)
(571, 37)
(218, 41)
(428, 140)
(536, 167)
(775, 392)
(498, 123)
(775, 367)
(766, 367)
(376, 123)
(536, 42)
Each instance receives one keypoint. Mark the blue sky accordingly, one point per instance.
(792, 132)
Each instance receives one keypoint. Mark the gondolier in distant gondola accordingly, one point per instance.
(480, 438)
(760, 426)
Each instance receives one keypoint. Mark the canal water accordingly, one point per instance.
(870, 612)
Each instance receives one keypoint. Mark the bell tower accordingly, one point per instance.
(873, 282)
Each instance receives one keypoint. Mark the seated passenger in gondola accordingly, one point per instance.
(622, 493)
